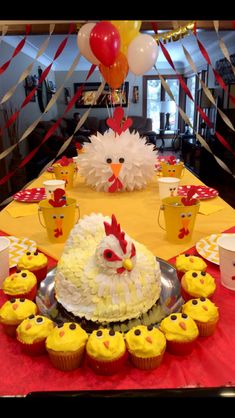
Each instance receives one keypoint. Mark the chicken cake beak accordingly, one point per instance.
(127, 264)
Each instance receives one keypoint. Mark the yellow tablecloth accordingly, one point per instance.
(136, 211)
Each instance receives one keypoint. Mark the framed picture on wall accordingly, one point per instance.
(108, 97)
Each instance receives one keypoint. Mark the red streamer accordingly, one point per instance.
(186, 90)
(50, 131)
(17, 50)
(43, 76)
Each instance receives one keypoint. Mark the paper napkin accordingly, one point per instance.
(27, 210)
(207, 208)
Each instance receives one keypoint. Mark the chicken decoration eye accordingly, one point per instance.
(110, 255)
(121, 160)
(109, 160)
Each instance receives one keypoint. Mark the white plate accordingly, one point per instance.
(208, 248)
(18, 247)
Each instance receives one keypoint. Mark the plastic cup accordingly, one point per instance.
(168, 186)
(226, 247)
(51, 185)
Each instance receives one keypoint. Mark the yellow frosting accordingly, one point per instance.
(34, 329)
(15, 310)
(200, 285)
(147, 343)
(105, 346)
(18, 283)
(32, 260)
(69, 337)
(201, 310)
(192, 262)
(179, 329)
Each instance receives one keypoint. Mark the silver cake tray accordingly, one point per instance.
(170, 298)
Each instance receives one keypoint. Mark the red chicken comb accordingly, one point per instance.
(116, 123)
(171, 160)
(64, 161)
(59, 198)
(115, 229)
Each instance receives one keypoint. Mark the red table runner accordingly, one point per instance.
(211, 364)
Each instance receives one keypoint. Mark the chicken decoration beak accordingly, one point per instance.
(127, 264)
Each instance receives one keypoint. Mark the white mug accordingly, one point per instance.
(226, 246)
(51, 185)
(168, 186)
(4, 259)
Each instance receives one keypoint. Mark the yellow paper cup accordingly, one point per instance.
(65, 173)
(179, 219)
(172, 170)
(58, 220)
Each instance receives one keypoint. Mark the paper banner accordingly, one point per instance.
(49, 132)
(28, 70)
(199, 109)
(186, 120)
(16, 50)
(42, 77)
(207, 58)
(49, 105)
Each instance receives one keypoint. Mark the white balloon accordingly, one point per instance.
(83, 41)
(142, 54)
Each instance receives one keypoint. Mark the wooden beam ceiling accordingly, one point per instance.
(61, 27)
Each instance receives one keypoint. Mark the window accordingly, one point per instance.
(158, 104)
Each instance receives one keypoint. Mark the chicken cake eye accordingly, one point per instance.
(109, 255)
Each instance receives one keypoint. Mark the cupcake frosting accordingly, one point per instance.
(105, 344)
(34, 328)
(198, 283)
(32, 260)
(145, 341)
(21, 282)
(185, 262)
(201, 309)
(179, 327)
(17, 310)
(66, 337)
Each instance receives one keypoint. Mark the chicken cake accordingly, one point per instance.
(105, 278)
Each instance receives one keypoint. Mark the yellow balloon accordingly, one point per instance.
(128, 30)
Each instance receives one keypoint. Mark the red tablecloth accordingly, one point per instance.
(211, 364)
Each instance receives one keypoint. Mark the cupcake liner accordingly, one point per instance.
(40, 273)
(147, 363)
(180, 274)
(66, 361)
(186, 296)
(180, 348)
(10, 329)
(108, 367)
(29, 295)
(206, 329)
(34, 349)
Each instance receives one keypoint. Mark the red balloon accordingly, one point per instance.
(116, 73)
(105, 42)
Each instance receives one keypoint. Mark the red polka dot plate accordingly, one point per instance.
(203, 192)
(30, 195)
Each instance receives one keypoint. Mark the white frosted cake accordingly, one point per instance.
(106, 277)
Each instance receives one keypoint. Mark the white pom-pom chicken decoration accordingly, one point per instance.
(118, 160)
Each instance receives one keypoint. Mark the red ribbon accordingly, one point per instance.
(186, 90)
(17, 50)
(42, 77)
(49, 132)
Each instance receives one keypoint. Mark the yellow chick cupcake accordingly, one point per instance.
(14, 311)
(66, 345)
(35, 262)
(186, 262)
(195, 284)
(204, 312)
(32, 333)
(146, 346)
(181, 332)
(106, 351)
(22, 284)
